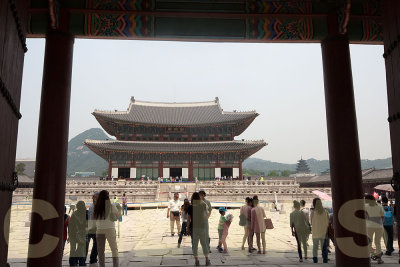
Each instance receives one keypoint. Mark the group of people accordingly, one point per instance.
(195, 213)
(380, 219)
(96, 224)
(318, 221)
(252, 218)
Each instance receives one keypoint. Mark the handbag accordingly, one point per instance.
(242, 220)
(268, 223)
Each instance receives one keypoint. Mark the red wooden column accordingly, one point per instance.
(190, 168)
(160, 166)
(240, 171)
(391, 30)
(109, 170)
(51, 156)
(344, 154)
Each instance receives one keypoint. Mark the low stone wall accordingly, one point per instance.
(285, 190)
(148, 191)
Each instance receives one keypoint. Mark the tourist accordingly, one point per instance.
(227, 224)
(243, 220)
(305, 210)
(388, 226)
(300, 229)
(374, 225)
(65, 234)
(184, 210)
(196, 227)
(208, 214)
(77, 235)
(92, 231)
(250, 229)
(173, 213)
(124, 205)
(106, 214)
(221, 223)
(258, 224)
(319, 223)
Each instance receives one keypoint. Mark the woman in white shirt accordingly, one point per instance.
(105, 214)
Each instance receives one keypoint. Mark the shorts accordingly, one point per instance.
(220, 232)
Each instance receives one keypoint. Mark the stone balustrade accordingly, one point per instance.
(137, 191)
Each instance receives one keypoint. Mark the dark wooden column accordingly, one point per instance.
(344, 154)
(160, 166)
(12, 49)
(391, 30)
(240, 171)
(190, 168)
(52, 148)
(109, 170)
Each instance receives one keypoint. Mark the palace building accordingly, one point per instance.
(188, 140)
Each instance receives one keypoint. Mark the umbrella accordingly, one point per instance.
(322, 195)
(384, 187)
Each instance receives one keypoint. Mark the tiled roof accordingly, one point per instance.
(174, 114)
(368, 175)
(149, 146)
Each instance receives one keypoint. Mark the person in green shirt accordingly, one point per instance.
(221, 223)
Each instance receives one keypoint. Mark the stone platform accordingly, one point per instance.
(145, 240)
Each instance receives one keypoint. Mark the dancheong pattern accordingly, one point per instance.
(131, 5)
(372, 31)
(114, 25)
(275, 7)
(279, 29)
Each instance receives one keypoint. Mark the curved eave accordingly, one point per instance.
(103, 118)
(103, 148)
(241, 129)
(103, 122)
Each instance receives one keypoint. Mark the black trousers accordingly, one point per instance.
(388, 236)
(93, 253)
(183, 232)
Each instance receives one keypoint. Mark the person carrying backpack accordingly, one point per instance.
(388, 225)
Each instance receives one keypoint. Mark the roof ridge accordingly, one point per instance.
(174, 104)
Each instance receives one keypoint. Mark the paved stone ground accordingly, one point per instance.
(145, 241)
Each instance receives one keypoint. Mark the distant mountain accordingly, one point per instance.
(81, 158)
(316, 166)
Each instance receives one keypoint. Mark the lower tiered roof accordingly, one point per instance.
(102, 147)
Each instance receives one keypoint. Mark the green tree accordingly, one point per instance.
(286, 173)
(273, 173)
(20, 168)
(252, 172)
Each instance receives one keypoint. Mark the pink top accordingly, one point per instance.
(257, 220)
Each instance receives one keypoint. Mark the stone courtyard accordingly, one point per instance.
(145, 240)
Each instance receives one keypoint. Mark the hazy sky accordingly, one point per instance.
(282, 82)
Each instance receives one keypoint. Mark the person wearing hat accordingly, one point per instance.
(221, 224)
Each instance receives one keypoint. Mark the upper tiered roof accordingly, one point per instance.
(174, 114)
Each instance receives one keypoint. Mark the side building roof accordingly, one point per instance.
(370, 175)
(102, 147)
(173, 114)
